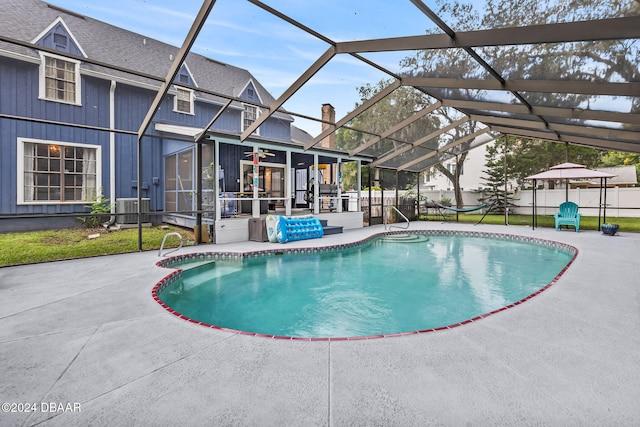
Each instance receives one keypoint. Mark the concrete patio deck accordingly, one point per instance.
(88, 333)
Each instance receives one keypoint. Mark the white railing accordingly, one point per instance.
(173, 233)
(385, 218)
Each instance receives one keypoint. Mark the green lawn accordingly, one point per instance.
(586, 222)
(54, 245)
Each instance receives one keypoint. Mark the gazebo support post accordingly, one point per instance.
(604, 206)
(506, 204)
(600, 204)
(533, 211)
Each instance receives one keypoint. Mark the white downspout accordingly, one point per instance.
(288, 184)
(255, 205)
(112, 145)
(339, 182)
(216, 185)
(359, 186)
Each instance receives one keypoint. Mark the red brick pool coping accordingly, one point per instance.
(200, 256)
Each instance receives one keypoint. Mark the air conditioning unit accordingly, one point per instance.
(127, 211)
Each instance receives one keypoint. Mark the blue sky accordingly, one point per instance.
(275, 52)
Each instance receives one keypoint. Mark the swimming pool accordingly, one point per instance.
(392, 284)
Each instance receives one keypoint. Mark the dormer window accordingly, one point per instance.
(183, 101)
(59, 79)
(59, 75)
(249, 116)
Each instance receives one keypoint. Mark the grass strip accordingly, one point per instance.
(54, 245)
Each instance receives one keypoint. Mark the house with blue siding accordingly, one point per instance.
(73, 94)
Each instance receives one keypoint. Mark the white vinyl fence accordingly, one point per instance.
(621, 202)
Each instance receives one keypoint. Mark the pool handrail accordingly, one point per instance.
(173, 233)
(384, 217)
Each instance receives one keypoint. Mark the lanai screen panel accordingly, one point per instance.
(383, 147)
(501, 14)
(485, 82)
(404, 157)
(446, 63)
(468, 94)
(583, 92)
(453, 127)
(631, 127)
(356, 20)
(421, 163)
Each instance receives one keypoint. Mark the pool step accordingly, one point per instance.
(330, 229)
(196, 273)
(405, 238)
(194, 265)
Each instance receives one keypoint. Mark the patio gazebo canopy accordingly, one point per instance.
(567, 171)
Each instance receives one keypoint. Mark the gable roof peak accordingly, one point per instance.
(244, 91)
(185, 76)
(61, 38)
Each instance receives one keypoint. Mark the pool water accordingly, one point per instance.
(386, 286)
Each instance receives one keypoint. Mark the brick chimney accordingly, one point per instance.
(328, 115)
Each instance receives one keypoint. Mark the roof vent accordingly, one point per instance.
(60, 40)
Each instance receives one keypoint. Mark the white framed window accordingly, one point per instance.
(59, 79)
(53, 172)
(249, 116)
(183, 101)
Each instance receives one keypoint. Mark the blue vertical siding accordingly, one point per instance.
(19, 96)
(277, 129)
(19, 90)
(7, 170)
(131, 106)
(231, 121)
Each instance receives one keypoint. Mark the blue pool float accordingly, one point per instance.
(290, 228)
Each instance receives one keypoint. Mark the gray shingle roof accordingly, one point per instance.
(25, 19)
(300, 136)
(624, 175)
